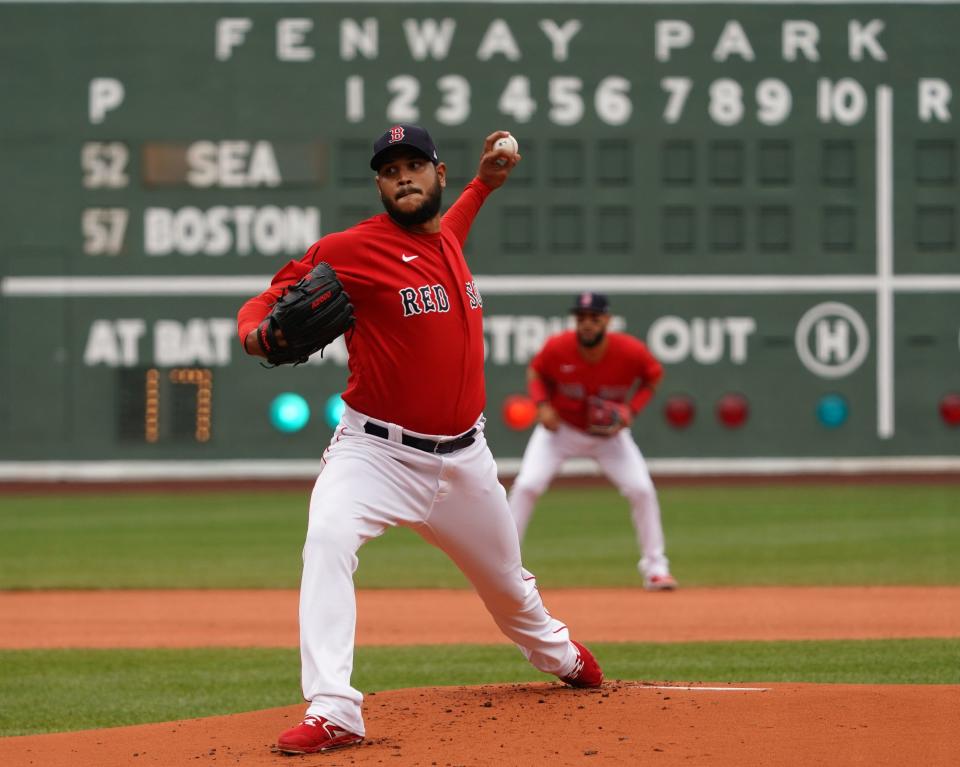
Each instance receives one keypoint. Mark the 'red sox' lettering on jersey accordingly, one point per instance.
(425, 299)
(416, 351)
(473, 293)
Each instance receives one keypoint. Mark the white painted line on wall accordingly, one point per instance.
(215, 285)
(760, 467)
(524, 284)
(307, 468)
(885, 382)
(492, 2)
(494, 284)
(926, 283)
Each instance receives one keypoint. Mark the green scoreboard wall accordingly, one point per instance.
(769, 193)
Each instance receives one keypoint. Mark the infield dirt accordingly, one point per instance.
(268, 618)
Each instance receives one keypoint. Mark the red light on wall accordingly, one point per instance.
(679, 411)
(950, 409)
(519, 411)
(732, 410)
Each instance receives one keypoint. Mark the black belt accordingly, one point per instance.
(426, 445)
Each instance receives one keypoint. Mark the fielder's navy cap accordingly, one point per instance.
(403, 134)
(590, 302)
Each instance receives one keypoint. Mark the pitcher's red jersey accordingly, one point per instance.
(416, 352)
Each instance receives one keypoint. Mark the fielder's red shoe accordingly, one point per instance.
(587, 672)
(315, 734)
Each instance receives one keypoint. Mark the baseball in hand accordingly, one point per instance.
(507, 144)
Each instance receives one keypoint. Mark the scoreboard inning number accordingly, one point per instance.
(843, 101)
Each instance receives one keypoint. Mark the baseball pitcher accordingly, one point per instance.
(588, 385)
(410, 448)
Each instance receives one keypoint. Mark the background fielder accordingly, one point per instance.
(572, 371)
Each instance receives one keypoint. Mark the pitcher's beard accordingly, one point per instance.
(427, 210)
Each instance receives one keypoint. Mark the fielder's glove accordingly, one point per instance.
(606, 417)
(309, 315)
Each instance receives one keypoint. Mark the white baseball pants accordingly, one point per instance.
(619, 458)
(455, 502)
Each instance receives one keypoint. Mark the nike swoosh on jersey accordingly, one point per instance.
(407, 259)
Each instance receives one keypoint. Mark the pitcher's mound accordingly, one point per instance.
(528, 725)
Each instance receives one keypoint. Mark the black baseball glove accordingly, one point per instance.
(309, 315)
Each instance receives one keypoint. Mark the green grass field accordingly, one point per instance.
(106, 688)
(756, 535)
(823, 535)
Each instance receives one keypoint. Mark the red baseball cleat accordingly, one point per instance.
(587, 672)
(660, 583)
(313, 734)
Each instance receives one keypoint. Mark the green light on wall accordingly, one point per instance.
(333, 410)
(832, 410)
(289, 412)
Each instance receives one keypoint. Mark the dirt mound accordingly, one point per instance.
(530, 724)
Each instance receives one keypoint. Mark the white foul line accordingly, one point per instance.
(705, 689)
(885, 384)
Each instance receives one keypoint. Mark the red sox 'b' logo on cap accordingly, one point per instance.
(586, 299)
(396, 134)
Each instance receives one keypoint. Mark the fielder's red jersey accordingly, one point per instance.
(570, 379)
(416, 352)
